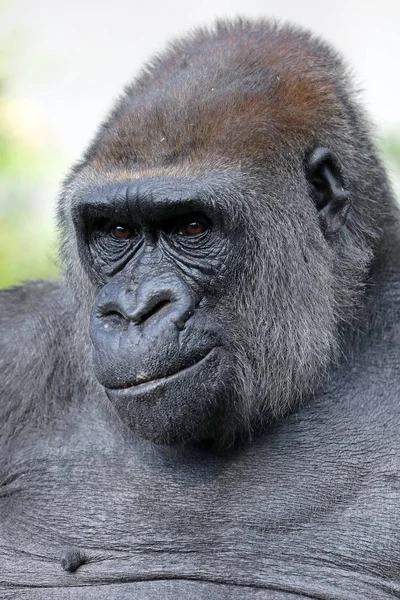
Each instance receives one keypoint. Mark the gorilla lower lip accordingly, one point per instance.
(141, 384)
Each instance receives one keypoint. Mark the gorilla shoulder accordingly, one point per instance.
(28, 316)
(36, 337)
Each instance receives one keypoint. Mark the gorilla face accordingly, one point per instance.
(213, 311)
(159, 348)
(221, 226)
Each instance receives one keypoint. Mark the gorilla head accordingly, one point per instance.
(219, 232)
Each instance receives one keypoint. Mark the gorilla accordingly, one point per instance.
(207, 404)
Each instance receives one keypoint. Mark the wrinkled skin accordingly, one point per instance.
(206, 405)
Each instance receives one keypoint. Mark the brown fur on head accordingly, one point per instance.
(236, 94)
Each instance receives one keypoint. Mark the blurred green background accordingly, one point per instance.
(31, 168)
(29, 171)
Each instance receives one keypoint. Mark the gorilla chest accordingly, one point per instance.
(139, 514)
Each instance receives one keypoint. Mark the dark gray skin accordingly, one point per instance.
(207, 404)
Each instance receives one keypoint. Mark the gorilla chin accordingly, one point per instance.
(176, 408)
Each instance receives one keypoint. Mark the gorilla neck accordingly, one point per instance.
(380, 300)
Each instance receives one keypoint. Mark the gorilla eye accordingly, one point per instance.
(192, 227)
(122, 232)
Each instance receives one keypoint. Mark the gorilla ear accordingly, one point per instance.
(329, 189)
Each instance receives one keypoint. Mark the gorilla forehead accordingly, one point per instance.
(238, 92)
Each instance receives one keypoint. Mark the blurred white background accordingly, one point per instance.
(92, 48)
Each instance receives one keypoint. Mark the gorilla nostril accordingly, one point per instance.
(166, 296)
(115, 315)
(111, 317)
(154, 310)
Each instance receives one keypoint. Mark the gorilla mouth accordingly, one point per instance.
(144, 382)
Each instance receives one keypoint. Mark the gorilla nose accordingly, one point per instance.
(165, 297)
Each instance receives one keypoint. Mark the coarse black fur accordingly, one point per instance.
(207, 403)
